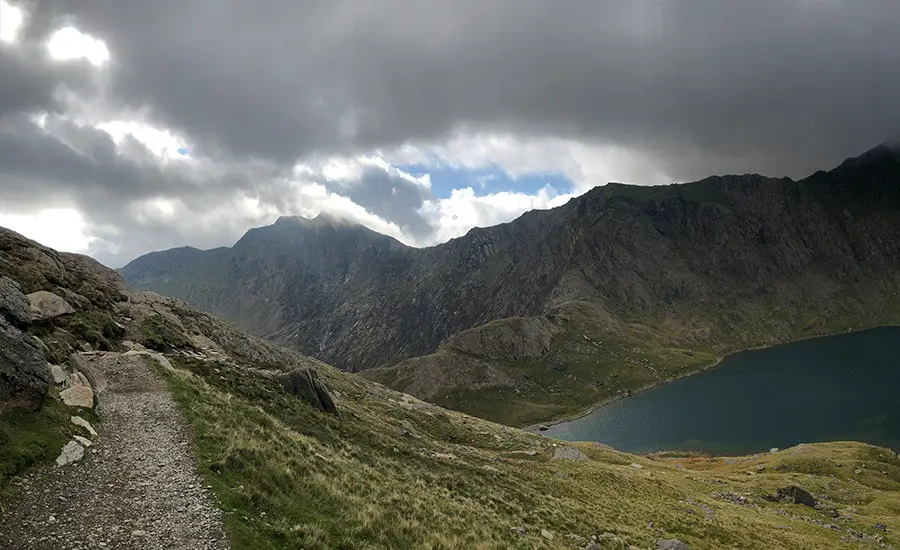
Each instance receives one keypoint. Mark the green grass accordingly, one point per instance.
(63, 335)
(161, 334)
(27, 438)
(290, 476)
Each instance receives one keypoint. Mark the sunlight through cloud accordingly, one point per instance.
(69, 43)
(11, 19)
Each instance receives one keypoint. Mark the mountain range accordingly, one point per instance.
(621, 288)
(128, 408)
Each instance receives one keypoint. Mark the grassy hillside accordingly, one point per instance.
(592, 359)
(395, 472)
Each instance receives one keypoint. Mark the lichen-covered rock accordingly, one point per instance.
(46, 305)
(24, 374)
(305, 383)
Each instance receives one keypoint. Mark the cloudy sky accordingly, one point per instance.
(128, 126)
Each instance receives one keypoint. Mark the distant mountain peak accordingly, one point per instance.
(323, 219)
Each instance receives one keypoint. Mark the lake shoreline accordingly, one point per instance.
(536, 427)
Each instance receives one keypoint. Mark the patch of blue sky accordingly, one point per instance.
(486, 180)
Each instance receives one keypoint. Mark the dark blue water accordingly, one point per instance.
(836, 388)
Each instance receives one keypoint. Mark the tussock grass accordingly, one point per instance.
(395, 472)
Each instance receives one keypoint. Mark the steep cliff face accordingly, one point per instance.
(725, 258)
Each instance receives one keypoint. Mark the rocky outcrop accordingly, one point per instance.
(13, 304)
(507, 338)
(305, 383)
(24, 373)
(47, 305)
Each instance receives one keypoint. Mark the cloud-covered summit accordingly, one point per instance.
(292, 107)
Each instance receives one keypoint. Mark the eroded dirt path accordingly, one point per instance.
(136, 487)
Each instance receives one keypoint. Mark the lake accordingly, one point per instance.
(836, 388)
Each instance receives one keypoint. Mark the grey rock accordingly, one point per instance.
(60, 376)
(95, 378)
(24, 374)
(568, 453)
(14, 304)
(78, 421)
(71, 452)
(46, 305)
(671, 544)
(305, 383)
(796, 495)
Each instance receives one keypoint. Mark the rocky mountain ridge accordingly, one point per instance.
(711, 266)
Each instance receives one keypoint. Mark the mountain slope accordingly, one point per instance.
(702, 268)
(395, 472)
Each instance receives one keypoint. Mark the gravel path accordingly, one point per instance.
(136, 487)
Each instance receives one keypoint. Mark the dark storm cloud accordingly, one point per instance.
(30, 82)
(788, 85)
(390, 197)
(698, 86)
(64, 165)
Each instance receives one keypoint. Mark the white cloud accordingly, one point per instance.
(69, 43)
(59, 228)
(463, 210)
(163, 143)
(586, 165)
(11, 19)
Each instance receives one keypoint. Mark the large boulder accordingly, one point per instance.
(14, 304)
(46, 305)
(95, 379)
(305, 383)
(24, 373)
